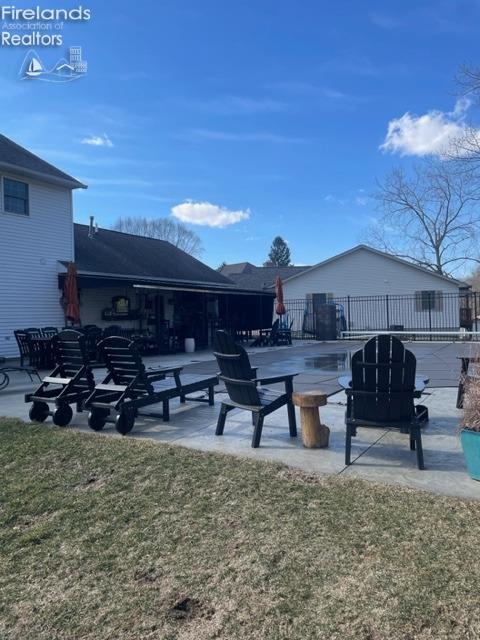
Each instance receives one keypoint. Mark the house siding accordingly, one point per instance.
(30, 248)
(363, 273)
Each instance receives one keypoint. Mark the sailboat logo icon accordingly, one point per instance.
(62, 71)
(34, 68)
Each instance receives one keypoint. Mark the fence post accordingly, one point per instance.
(388, 312)
(430, 301)
(348, 313)
(475, 308)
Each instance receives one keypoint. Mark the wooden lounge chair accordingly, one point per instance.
(381, 393)
(70, 382)
(129, 386)
(243, 390)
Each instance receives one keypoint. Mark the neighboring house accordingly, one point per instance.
(248, 276)
(416, 295)
(36, 231)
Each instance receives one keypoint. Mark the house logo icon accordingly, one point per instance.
(63, 71)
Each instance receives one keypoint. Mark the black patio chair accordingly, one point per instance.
(49, 332)
(24, 348)
(243, 390)
(70, 382)
(129, 386)
(382, 391)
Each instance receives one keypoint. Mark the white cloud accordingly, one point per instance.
(429, 134)
(97, 141)
(208, 214)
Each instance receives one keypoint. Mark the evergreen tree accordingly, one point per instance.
(279, 254)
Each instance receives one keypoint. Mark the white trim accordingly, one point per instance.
(359, 247)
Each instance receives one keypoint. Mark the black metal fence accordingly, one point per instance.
(429, 311)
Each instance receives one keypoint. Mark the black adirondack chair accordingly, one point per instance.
(70, 382)
(129, 386)
(382, 392)
(244, 388)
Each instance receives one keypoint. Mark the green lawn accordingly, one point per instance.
(120, 539)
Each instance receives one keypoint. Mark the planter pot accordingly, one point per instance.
(471, 449)
(189, 345)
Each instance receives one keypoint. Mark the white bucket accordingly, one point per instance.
(189, 345)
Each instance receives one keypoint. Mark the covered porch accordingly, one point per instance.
(170, 311)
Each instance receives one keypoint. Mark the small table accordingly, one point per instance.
(315, 434)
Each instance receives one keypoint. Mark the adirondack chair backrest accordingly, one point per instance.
(384, 374)
(124, 363)
(234, 365)
(71, 355)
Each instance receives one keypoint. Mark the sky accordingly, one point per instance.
(246, 119)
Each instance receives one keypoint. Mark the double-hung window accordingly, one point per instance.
(15, 197)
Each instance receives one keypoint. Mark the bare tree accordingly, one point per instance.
(163, 229)
(474, 279)
(430, 216)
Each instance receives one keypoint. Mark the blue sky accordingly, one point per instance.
(272, 112)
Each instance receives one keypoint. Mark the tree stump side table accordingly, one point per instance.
(315, 434)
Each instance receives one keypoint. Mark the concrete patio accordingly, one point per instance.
(378, 455)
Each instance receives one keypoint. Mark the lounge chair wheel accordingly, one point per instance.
(62, 415)
(38, 412)
(124, 422)
(97, 419)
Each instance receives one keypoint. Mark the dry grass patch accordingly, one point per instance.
(117, 538)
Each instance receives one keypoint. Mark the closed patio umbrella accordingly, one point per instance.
(70, 294)
(280, 307)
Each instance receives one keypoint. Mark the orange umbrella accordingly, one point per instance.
(70, 294)
(280, 307)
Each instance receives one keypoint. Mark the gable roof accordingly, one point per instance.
(15, 158)
(236, 268)
(252, 277)
(115, 254)
(364, 247)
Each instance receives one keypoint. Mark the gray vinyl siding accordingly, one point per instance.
(364, 273)
(30, 248)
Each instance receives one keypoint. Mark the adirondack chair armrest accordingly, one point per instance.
(345, 382)
(275, 379)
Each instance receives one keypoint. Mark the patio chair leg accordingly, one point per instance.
(211, 396)
(182, 399)
(348, 446)
(292, 423)
(412, 443)
(257, 432)
(166, 410)
(418, 443)
(222, 416)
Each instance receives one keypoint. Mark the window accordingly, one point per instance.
(15, 196)
(428, 300)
